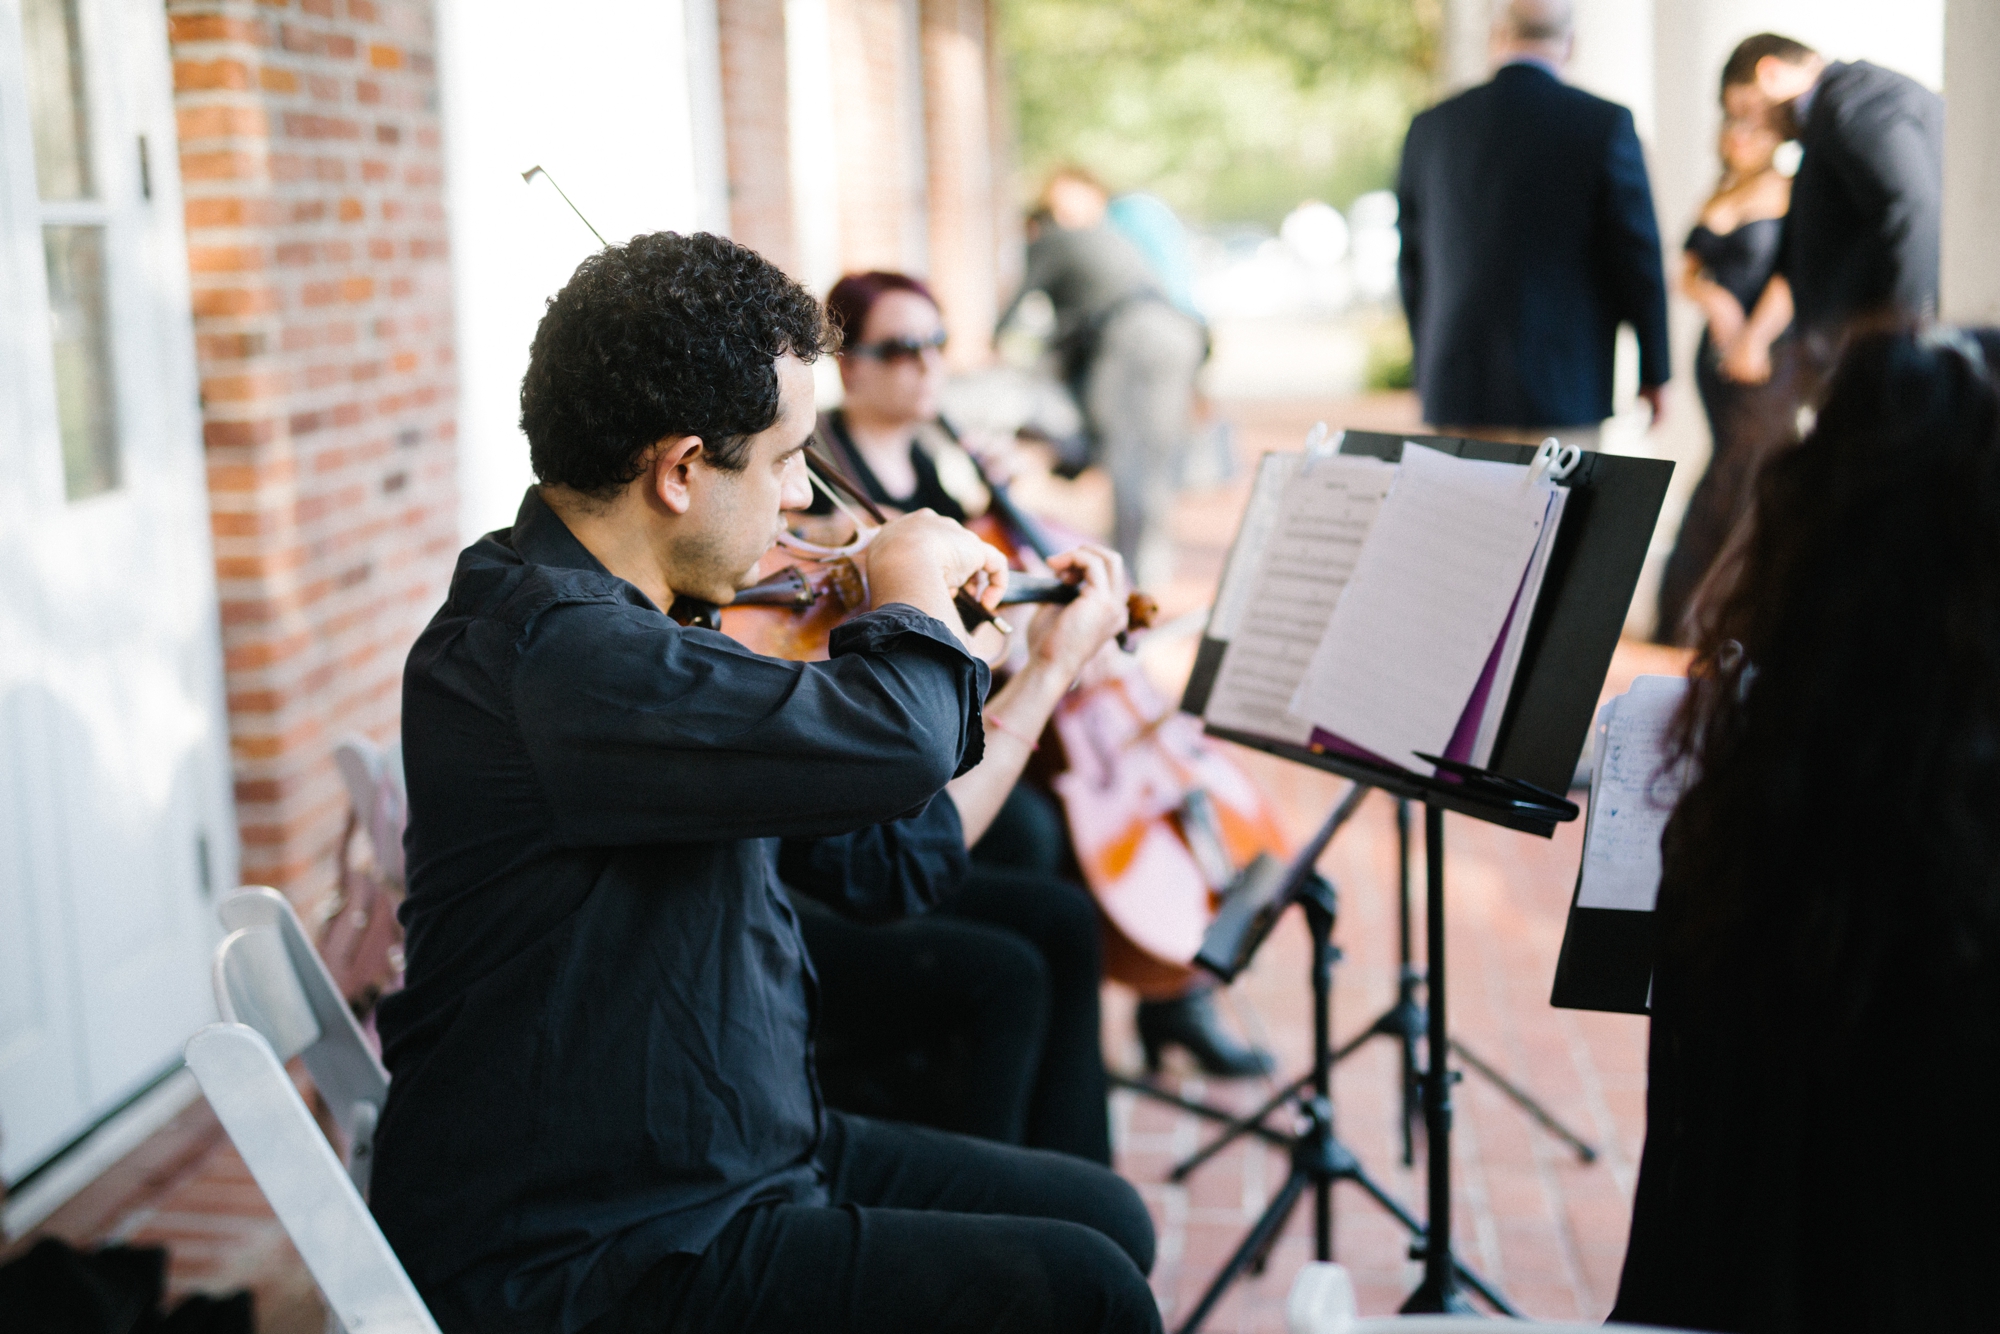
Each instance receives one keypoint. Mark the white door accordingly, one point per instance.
(116, 827)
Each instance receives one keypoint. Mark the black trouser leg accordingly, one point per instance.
(1067, 1111)
(925, 1232)
(931, 1019)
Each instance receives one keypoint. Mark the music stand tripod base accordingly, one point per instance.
(1318, 1158)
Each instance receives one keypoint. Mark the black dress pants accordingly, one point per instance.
(980, 1016)
(926, 1232)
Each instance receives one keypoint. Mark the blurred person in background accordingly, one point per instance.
(1730, 255)
(1825, 1048)
(1867, 209)
(1129, 355)
(1528, 238)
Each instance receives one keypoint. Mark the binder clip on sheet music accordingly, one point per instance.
(1379, 610)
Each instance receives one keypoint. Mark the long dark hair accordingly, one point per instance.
(1844, 711)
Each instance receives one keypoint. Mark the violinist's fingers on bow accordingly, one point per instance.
(1071, 634)
(923, 559)
(1092, 564)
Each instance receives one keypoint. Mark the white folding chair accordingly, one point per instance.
(1322, 1302)
(366, 1288)
(268, 976)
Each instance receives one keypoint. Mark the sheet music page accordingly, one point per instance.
(1517, 633)
(1325, 513)
(1274, 473)
(1424, 607)
(1631, 796)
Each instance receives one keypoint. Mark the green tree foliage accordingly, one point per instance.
(1230, 109)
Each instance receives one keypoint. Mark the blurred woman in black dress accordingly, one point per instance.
(1825, 1060)
(1729, 257)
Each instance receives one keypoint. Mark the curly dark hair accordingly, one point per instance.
(664, 335)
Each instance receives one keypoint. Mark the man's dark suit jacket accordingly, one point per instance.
(1528, 238)
(1868, 202)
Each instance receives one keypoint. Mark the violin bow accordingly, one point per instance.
(829, 478)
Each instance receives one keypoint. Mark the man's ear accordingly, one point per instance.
(667, 473)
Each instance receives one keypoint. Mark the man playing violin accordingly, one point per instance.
(603, 1112)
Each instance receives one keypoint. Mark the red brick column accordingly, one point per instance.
(964, 194)
(877, 114)
(756, 127)
(312, 168)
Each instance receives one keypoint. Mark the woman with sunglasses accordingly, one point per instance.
(981, 1017)
(887, 433)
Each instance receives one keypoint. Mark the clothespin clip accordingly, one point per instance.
(1322, 445)
(1553, 461)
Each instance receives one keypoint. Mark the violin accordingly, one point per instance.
(823, 585)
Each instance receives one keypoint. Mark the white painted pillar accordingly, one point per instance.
(1467, 45)
(602, 100)
(1970, 291)
(815, 147)
(705, 121)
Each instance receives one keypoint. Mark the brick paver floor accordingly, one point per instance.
(1548, 1229)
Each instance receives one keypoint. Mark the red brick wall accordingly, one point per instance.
(964, 192)
(313, 174)
(756, 127)
(877, 116)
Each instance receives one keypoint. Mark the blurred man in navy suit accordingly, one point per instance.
(1528, 238)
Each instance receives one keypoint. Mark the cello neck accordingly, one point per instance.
(1023, 524)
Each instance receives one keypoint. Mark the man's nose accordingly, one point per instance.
(796, 492)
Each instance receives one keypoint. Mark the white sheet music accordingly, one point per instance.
(1631, 795)
(1425, 604)
(1326, 510)
(1253, 535)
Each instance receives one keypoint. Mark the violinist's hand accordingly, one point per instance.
(1063, 638)
(923, 559)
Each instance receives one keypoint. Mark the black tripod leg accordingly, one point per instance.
(1394, 1208)
(1439, 1292)
(1262, 1235)
(1406, 1014)
(1234, 1130)
(1526, 1102)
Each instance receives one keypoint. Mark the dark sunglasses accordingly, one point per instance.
(889, 351)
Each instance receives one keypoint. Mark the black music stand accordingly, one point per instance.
(1593, 568)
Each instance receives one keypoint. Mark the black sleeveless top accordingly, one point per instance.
(929, 492)
(1740, 261)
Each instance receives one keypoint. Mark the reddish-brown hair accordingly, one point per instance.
(848, 304)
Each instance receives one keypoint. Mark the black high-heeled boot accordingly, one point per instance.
(1191, 1023)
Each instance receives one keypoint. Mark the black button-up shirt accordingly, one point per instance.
(604, 1048)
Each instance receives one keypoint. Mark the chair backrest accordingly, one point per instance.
(375, 789)
(1322, 1302)
(365, 1285)
(268, 975)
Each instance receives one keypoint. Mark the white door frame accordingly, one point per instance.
(115, 795)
